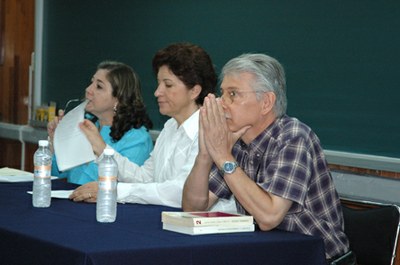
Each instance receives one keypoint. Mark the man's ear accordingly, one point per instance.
(269, 99)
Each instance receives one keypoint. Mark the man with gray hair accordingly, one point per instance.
(273, 164)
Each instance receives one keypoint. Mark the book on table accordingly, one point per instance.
(206, 222)
(206, 219)
(203, 230)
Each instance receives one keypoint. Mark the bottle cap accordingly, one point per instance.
(43, 143)
(109, 151)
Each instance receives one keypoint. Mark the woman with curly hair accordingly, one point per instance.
(117, 114)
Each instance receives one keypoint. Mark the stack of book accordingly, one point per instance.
(200, 223)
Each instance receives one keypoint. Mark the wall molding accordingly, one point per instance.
(363, 161)
(26, 133)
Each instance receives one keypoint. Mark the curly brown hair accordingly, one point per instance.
(131, 111)
(191, 64)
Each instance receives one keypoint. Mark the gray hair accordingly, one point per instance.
(269, 76)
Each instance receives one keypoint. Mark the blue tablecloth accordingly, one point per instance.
(67, 233)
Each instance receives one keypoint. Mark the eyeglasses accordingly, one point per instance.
(229, 96)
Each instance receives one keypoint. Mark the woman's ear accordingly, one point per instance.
(115, 108)
(196, 90)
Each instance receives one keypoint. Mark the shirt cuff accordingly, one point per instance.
(100, 157)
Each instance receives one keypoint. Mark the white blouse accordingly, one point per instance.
(161, 178)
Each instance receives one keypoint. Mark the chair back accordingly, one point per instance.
(373, 233)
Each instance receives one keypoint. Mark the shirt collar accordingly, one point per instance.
(269, 134)
(191, 125)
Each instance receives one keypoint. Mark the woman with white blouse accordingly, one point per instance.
(185, 76)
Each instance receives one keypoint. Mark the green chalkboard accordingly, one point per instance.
(342, 58)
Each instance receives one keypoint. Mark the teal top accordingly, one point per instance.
(136, 145)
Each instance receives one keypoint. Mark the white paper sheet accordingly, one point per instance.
(71, 146)
(14, 175)
(59, 194)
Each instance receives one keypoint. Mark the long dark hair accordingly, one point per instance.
(130, 111)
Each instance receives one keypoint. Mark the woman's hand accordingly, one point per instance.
(85, 193)
(51, 127)
(94, 137)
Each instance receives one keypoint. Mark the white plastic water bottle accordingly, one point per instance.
(106, 208)
(41, 192)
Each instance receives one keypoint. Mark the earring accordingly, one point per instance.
(115, 108)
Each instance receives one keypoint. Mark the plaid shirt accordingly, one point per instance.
(286, 160)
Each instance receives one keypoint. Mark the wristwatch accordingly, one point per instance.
(229, 167)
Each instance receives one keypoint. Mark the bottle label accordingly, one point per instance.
(42, 171)
(108, 183)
